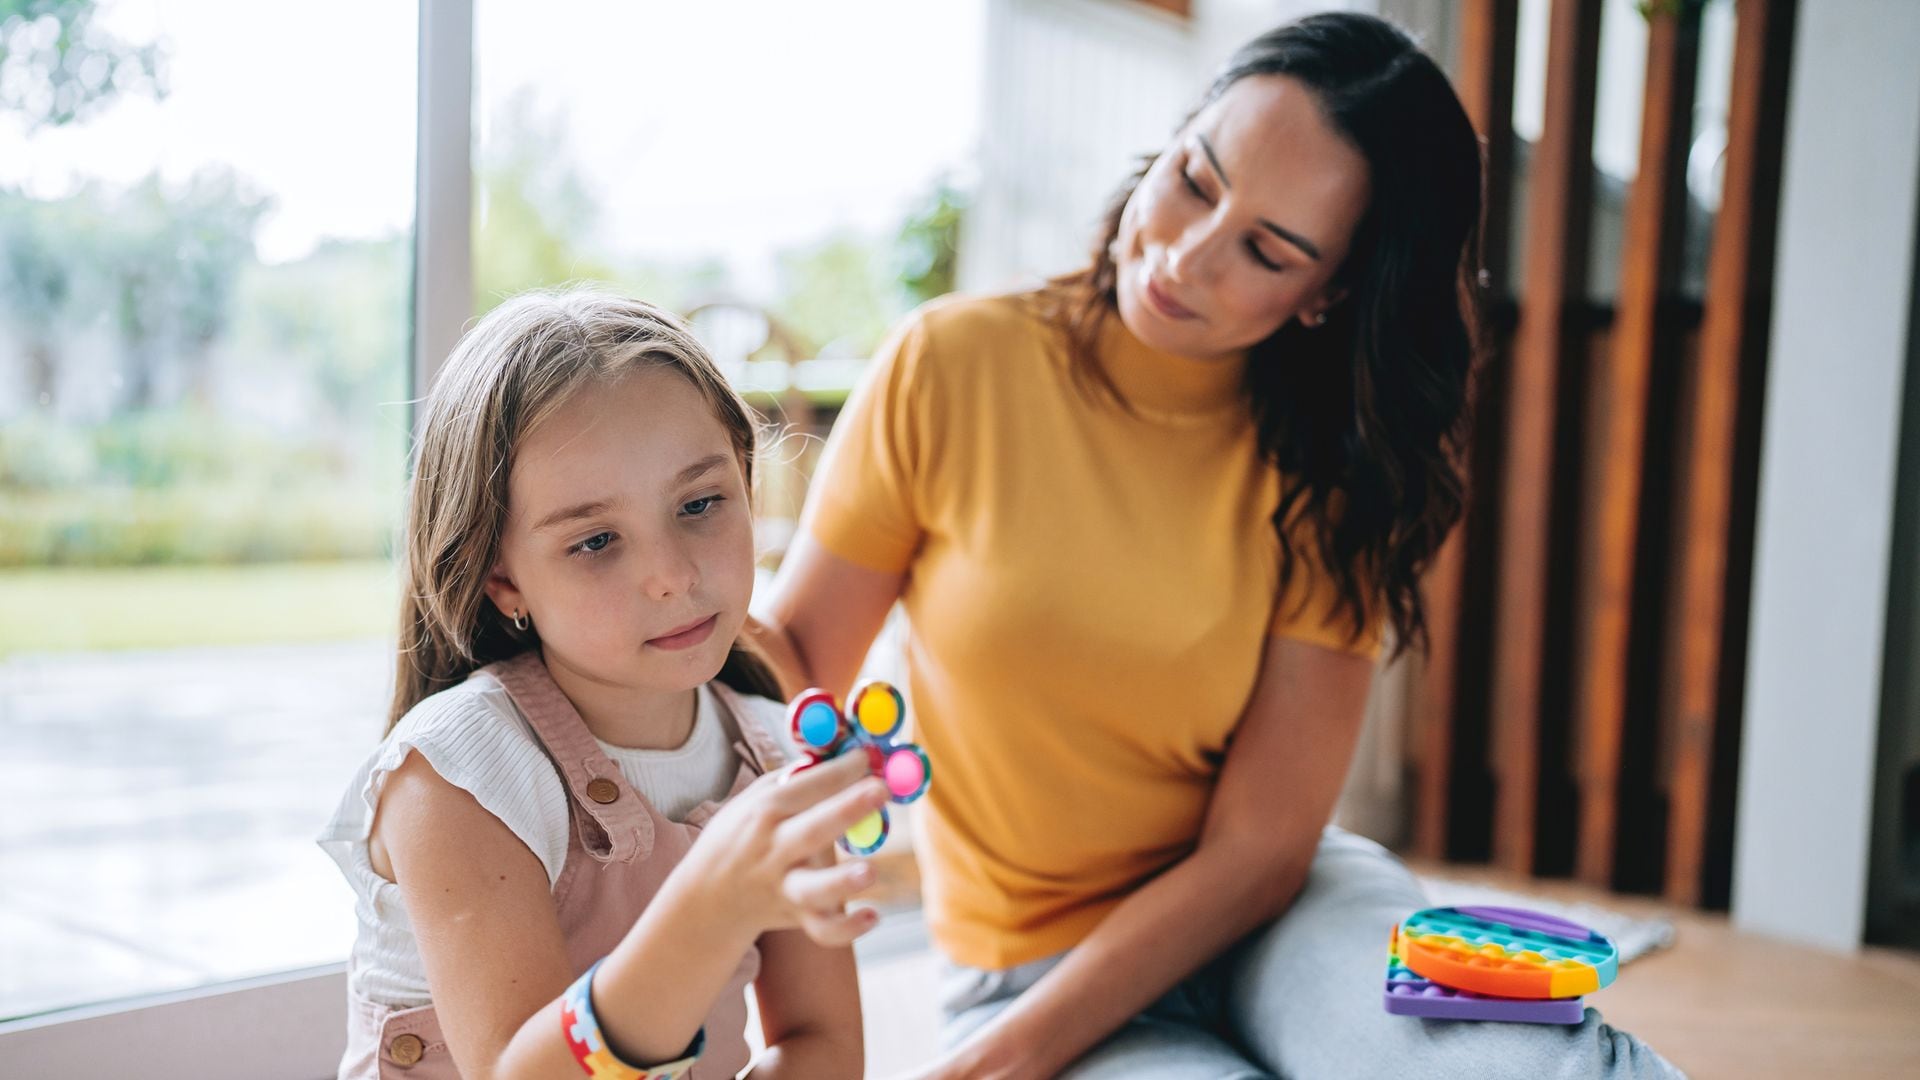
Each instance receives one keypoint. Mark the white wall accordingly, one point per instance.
(1075, 91)
(1840, 332)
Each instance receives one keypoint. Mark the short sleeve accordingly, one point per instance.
(477, 741)
(1309, 608)
(865, 502)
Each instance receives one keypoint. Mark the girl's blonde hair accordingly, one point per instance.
(508, 373)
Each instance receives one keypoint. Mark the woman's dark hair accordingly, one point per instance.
(1365, 416)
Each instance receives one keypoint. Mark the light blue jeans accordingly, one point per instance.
(1300, 999)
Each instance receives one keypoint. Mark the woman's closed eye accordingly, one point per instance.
(1194, 187)
(1252, 247)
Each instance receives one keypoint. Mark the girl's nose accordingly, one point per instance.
(669, 574)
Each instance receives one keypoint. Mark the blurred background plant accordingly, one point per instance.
(179, 391)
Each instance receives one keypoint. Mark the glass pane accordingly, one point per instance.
(792, 176)
(1531, 32)
(1621, 73)
(205, 212)
(1619, 102)
(1707, 158)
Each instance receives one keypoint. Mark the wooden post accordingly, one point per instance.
(1644, 336)
(1485, 85)
(1551, 328)
(1714, 497)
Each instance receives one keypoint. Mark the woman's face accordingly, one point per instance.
(1241, 224)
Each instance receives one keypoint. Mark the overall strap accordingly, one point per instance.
(758, 747)
(609, 816)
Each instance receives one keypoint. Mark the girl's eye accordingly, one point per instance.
(1253, 249)
(700, 507)
(1193, 187)
(592, 545)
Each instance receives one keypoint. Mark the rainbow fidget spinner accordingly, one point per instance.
(1495, 963)
(872, 719)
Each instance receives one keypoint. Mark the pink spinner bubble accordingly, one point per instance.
(906, 773)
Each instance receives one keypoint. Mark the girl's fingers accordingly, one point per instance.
(795, 791)
(826, 892)
(818, 827)
(839, 931)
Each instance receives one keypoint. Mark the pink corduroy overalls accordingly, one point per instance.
(619, 852)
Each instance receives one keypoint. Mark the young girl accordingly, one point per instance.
(567, 854)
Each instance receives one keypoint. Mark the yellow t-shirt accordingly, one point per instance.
(1089, 592)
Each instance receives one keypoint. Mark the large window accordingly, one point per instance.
(792, 176)
(205, 219)
(206, 214)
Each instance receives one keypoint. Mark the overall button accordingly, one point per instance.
(603, 790)
(406, 1049)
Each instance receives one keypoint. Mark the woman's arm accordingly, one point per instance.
(1275, 793)
(823, 615)
(809, 1009)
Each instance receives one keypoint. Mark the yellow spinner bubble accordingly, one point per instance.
(867, 832)
(878, 711)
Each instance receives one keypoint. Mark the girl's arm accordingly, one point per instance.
(1276, 791)
(483, 913)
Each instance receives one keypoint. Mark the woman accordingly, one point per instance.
(1152, 525)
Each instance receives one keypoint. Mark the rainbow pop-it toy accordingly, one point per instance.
(1495, 963)
(1410, 994)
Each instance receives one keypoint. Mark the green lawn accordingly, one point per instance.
(167, 606)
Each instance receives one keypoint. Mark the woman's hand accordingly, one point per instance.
(939, 1070)
(765, 861)
(944, 1069)
(976, 1059)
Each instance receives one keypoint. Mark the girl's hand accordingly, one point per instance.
(766, 861)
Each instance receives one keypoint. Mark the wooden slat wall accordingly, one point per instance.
(1550, 332)
(1487, 41)
(1589, 619)
(1707, 619)
(1645, 334)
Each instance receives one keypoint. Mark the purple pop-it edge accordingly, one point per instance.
(1538, 921)
(1430, 1001)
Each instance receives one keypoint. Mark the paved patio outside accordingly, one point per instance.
(157, 814)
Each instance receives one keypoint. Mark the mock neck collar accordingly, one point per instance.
(1155, 382)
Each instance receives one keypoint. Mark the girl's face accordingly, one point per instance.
(1241, 223)
(629, 539)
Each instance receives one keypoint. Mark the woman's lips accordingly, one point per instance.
(687, 636)
(1162, 303)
